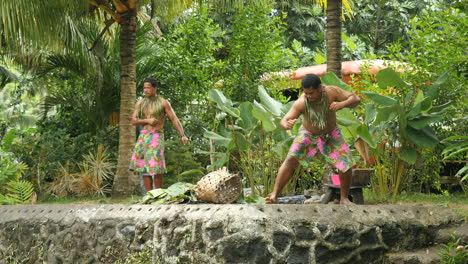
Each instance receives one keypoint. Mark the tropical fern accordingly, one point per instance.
(4, 199)
(20, 192)
(10, 171)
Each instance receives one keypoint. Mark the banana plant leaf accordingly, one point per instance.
(248, 121)
(421, 121)
(218, 139)
(348, 123)
(370, 113)
(363, 132)
(223, 103)
(261, 114)
(218, 96)
(269, 103)
(408, 154)
(425, 137)
(381, 99)
(433, 91)
(385, 114)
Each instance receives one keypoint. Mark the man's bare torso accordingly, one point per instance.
(148, 114)
(331, 115)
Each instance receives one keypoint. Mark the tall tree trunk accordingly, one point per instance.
(126, 182)
(334, 37)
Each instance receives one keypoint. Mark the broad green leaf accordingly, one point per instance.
(408, 154)
(385, 114)
(246, 115)
(381, 99)
(230, 110)
(461, 172)
(296, 127)
(345, 122)
(220, 116)
(433, 91)
(370, 113)
(178, 189)
(193, 171)
(363, 132)
(330, 79)
(414, 111)
(426, 104)
(388, 78)
(268, 102)
(218, 96)
(456, 138)
(421, 121)
(218, 139)
(241, 142)
(463, 145)
(285, 108)
(454, 152)
(425, 138)
(348, 122)
(157, 193)
(408, 97)
(348, 115)
(261, 114)
(419, 97)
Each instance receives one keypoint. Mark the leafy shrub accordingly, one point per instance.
(179, 159)
(454, 252)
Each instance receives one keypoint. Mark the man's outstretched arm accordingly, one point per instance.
(175, 121)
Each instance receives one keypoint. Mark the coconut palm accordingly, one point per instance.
(30, 25)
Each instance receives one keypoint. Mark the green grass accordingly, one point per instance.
(437, 199)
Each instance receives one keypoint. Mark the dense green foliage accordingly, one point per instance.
(58, 106)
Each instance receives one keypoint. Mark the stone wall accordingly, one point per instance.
(216, 233)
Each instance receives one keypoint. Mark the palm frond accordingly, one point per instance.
(7, 76)
(20, 191)
(45, 25)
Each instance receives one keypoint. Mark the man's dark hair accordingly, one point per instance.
(152, 80)
(311, 81)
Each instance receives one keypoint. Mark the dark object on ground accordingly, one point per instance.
(294, 199)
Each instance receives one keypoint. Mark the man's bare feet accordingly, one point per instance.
(346, 201)
(270, 199)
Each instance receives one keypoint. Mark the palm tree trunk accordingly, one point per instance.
(126, 182)
(334, 37)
